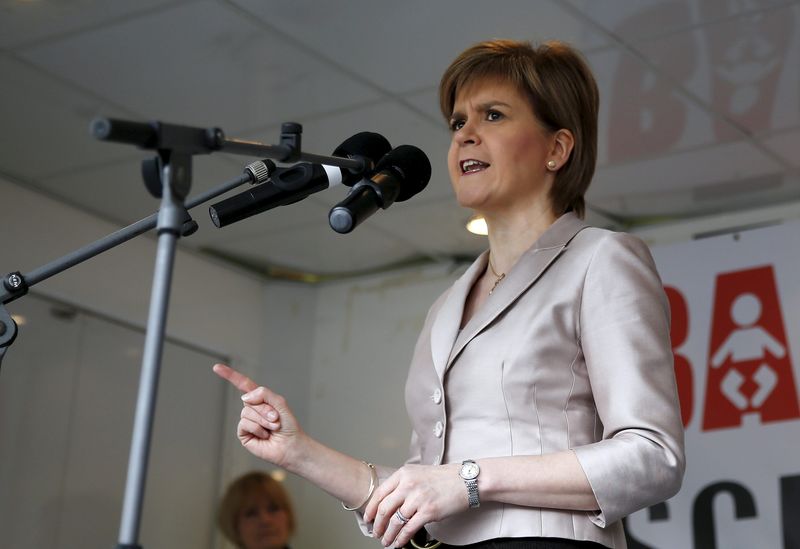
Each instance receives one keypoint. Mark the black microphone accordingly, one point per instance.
(401, 174)
(289, 185)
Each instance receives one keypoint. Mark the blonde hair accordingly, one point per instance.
(242, 490)
(562, 92)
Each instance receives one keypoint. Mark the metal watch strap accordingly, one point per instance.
(472, 492)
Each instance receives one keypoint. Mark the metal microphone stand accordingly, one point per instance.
(167, 176)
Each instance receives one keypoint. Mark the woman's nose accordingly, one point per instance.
(467, 134)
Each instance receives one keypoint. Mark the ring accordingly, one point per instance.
(399, 516)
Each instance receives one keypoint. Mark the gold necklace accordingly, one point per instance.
(498, 276)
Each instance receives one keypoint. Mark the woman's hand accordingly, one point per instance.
(422, 494)
(267, 428)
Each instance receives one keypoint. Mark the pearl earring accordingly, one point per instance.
(551, 164)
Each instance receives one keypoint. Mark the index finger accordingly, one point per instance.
(237, 379)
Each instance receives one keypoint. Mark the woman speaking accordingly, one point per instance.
(541, 390)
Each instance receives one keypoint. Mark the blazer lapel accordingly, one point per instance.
(530, 266)
(448, 318)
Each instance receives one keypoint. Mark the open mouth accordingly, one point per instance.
(472, 166)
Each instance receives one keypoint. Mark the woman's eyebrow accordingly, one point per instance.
(486, 105)
(492, 103)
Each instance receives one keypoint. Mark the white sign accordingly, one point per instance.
(735, 303)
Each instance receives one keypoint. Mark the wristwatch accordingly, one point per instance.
(469, 472)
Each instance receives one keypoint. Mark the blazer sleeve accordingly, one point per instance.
(624, 335)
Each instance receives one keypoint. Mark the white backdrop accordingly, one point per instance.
(735, 303)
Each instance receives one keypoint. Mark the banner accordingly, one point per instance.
(735, 303)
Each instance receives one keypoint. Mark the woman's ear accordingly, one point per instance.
(563, 142)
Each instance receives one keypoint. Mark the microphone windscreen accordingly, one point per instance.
(413, 167)
(368, 145)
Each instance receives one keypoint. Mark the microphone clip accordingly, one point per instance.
(292, 138)
(366, 198)
(385, 194)
(302, 176)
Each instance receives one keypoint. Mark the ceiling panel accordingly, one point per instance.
(678, 174)
(436, 226)
(699, 105)
(644, 20)
(318, 249)
(116, 191)
(787, 145)
(683, 169)
(28, 22)
(220, 70)
(402, 46)
(427, 102)
(46, 124)
(744, 69)
(643, 113)
(632, 19)
(661, 205)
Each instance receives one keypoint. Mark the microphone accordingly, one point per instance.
(290, 185)
(401, 174)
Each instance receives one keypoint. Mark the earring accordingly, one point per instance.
(551, 164)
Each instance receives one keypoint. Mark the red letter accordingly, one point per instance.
(678, 331)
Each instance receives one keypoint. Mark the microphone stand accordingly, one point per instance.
(167, 176)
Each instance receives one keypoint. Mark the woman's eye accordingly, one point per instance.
(456, 125)
(493, 116)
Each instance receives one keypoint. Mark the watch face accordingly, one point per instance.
(469, 470)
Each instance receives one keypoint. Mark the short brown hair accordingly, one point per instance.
(240, 491)
(563, 94)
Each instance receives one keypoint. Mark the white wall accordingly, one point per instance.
(212, 307)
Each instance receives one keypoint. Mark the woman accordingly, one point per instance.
(255, 513)
(541, 390)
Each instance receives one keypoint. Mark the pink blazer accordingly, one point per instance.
(571, 350)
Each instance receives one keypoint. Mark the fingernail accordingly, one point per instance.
(272, 415)
(246, 397)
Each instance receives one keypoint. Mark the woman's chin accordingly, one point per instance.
(471, 201)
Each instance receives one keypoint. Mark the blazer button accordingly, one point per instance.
(438, 429)
(437, 460)
(437, 396)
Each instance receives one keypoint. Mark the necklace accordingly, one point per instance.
(498, 277)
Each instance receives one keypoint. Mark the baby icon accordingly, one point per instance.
(746, 344)
(749, 356)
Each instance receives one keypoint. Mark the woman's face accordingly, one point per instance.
(499, 150)
(262, 524)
